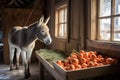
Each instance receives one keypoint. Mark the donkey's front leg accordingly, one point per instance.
(12, 50)
(26, 73)
(17, 57)
(29, 53)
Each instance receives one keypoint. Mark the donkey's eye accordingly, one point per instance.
(43, 32)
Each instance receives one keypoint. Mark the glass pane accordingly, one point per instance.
(66, 14)
(61, 15)
(105, 8)
(105, 29)
(65, 32)
(117, 29)
(61, 30)
(117, 6)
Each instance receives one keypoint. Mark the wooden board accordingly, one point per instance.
(50, 68)
(89, 72)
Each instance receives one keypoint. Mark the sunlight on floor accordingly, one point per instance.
(6, 74)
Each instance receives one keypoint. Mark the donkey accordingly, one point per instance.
(23, 40)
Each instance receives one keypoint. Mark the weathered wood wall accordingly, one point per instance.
(18, 16)
(79, 26)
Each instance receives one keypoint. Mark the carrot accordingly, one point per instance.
(85, 60)
(78, 66)
(82, 60)
(90, 64)
(74, 55)
(110, 61)
(84, 65)
(71, 67)
(75, 61)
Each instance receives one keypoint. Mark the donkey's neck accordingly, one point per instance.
(31, 34)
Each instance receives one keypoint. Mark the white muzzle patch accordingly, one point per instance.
(48, 40)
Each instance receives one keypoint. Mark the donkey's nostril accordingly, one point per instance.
(49, 41)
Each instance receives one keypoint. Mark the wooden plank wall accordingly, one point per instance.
(79, 26)
(18, 16)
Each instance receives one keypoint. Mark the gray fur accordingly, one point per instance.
(23, 36)
(23, 39)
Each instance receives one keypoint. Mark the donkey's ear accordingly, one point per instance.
(41, 20)
(46, 21)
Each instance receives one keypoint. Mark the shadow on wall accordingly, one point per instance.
(1, 47)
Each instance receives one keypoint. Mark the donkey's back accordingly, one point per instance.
(18, 36)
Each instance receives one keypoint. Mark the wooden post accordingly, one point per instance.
(41, 71)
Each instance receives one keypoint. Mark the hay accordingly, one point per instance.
(51, 55)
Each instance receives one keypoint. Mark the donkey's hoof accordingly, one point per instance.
(17, 68)
(11, 69)
(27, 75)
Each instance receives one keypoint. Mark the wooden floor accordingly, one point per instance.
(5, 74)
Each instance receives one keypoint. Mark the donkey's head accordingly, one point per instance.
(43, 31)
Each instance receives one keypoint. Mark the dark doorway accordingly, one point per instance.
(1, 39)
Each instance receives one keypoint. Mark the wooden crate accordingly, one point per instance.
(60, 74)
(88, 72)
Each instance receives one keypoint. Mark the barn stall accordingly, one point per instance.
(74, 25)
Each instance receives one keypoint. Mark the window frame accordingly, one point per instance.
(111, 48)
(57, 22)
(111, 17)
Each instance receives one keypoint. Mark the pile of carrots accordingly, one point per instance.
(84, 59)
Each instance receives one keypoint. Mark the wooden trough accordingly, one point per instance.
(88, 72)
(60, 74)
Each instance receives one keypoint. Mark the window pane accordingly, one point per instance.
(105, 8)
(61, 15)
(105, 29)
(117, 6)
(65, 27)
(65, 14)
(117, 29)
(61, 30)
(61, 21)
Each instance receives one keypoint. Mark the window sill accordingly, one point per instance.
(107, 48)
(60, 39)
(106, 42)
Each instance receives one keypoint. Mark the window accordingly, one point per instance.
(109, 20)
(61, 22)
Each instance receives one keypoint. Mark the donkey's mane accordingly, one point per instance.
(33, 24)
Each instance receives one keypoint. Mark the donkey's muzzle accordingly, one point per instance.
(48, 40)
